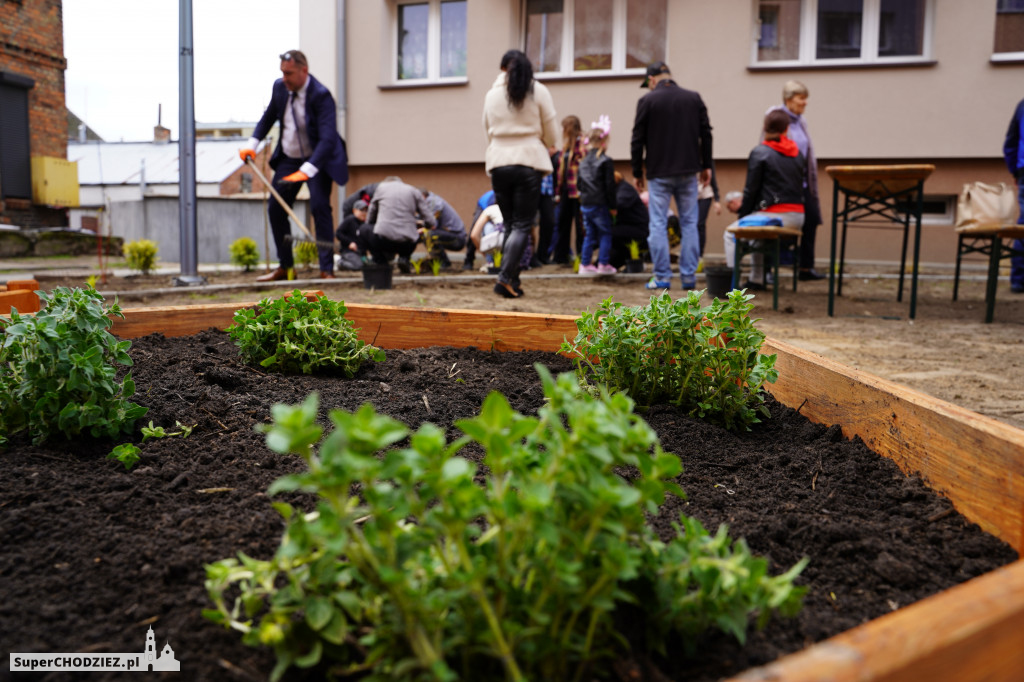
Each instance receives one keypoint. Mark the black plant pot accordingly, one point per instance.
(719, 280)
(377, 276)
(635, 265)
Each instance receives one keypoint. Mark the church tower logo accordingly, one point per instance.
(149, 660)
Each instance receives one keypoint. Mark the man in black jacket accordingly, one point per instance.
(672, 126)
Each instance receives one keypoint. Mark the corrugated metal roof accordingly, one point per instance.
(120, 163)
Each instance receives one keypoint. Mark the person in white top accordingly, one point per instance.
(520, 121)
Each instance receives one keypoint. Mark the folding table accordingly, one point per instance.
(885, 197)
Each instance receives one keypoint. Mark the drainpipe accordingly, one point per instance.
(342, 81)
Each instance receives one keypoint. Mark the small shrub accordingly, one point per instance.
(702, 359)
(245, 253)
(412, 569)
(141, 255)
(306, 253)
(58, 370)
(293, 334)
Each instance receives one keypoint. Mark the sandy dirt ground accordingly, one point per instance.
(947, 351)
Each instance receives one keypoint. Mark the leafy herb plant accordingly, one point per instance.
(412, 569)
(58, 370)
(125, 453)
(702, 358)
(293, 334)
(141, 255)
(244, 252)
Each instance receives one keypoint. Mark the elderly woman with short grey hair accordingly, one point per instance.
(794, 97)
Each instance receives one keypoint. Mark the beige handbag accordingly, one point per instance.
(984, 204)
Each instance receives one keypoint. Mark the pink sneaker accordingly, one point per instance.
(606, 269)
(589, 270)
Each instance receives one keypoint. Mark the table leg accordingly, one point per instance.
(917, 248)
(775, 278)
(832, 250)
(994, 256)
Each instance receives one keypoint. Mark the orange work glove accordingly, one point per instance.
(297, 176)
(246, 154)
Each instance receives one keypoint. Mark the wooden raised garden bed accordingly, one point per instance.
(969, 632)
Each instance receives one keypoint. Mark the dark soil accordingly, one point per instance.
(93, 555)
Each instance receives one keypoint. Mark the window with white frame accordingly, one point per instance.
(1009, 27)
(846, 32)
(430, 40)
(594, 36)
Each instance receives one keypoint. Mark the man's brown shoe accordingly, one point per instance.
(327, 275)
(274, 275)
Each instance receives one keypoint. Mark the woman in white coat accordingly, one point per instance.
(520, 121)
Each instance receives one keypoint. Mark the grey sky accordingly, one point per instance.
(123, 61)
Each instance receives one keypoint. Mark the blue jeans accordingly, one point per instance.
(1017, 260)
(660, 192)
(597, 220)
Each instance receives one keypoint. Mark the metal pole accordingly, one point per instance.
(186, 151)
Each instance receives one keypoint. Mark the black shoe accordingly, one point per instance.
(404, 266)
(468, 265)
(519, 290)
(1017, 290)
(810, 275)
(500, 290)
(753, 286)
(535, 263)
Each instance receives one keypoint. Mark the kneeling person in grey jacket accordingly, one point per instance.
(394, 213)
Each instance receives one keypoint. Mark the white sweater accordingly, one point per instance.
(519, 137)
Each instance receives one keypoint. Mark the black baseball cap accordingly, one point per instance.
(654, 69)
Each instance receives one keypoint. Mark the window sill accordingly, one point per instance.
(845, 64)
(583, 75)
(1007, 58)
(414, 85)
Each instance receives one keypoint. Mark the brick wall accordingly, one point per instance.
(32, 45)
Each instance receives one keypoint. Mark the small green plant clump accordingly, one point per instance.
(58, 370)
(141, 255)
(412, 569)
(125, 453)
(294, 334)
(703, 359)
(306, 253)
(244, 253)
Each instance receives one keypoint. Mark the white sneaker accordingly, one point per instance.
(606, 269)
(589, 271)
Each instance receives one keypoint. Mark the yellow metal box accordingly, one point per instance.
(54, 181)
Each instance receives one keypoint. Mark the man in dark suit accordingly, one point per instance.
(310, 150)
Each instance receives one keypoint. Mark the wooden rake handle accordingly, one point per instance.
(284, 204)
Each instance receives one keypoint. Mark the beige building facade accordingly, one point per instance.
(891, 81)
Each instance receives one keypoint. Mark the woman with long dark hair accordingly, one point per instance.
(520, 121)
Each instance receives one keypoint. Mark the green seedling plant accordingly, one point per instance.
(306, 254)
(159, 432)
(703, 359)
(141, 255)
(417, 265)
(435, 266)
(496, 256)
(411, 568)
(576, 262)
(127, 454)
(244, 253)
(294, 334)
(90, 281)
(58, 370)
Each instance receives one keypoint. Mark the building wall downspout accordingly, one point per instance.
(342, 80)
